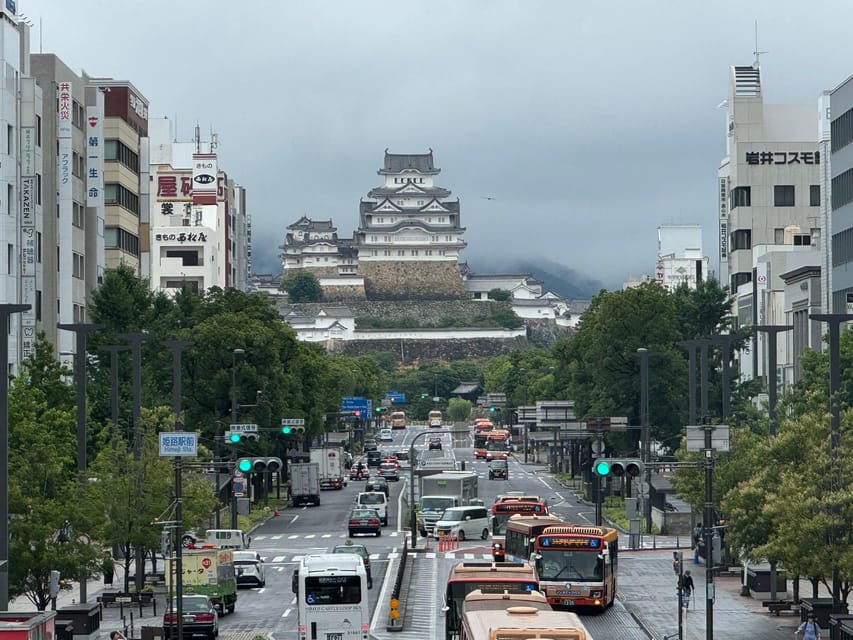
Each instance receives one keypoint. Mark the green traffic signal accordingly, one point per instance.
(378, 409)
(285, 430)
(602, 467)
(245, 465)
(491, 409)
(234, 437)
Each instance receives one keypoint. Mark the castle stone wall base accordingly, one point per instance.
(412, 280)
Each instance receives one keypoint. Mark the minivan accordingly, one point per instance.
(467, 522)
(374, 500)
(227, 538)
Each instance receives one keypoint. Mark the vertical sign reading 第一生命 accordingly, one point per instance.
(28, 240)
(94, 158)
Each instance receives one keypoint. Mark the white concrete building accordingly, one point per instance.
(199, 226)
(680, 256)
(769, 179)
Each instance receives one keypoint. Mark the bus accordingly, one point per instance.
(478, 600)
(497, 444)
(331, 596)
(398, 419)
(521, 533)
(491, 439)
(521, 622)
(435, 418)
(504, 509)
(577, 565)
(488, 577)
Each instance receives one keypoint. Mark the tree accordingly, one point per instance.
(501, 295)
(302, 286)
(458, 410)
(44, 500)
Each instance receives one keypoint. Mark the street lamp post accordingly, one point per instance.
(80, 330)
(646, 450)
(113, 350)
(834, 321)
(725, 341)
(5, 311)
(772, 331)
(690, 346)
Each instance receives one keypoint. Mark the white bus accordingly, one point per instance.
(331, 594)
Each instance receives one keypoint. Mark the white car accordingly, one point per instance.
(386, 435)
(249, 568)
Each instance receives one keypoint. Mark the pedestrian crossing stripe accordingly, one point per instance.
(309, 536)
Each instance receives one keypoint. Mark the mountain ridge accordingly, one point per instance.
(559, 278)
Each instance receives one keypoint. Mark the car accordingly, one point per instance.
(364, 521)
(495, 455)
(386, 435)
(373, 500)
(370, 444)
(389, 471)
(199, 618)
(434, 443)
(377, 483)
(402, 454)
(358, 471)
(466, 523)
(498, 469)
(360, 550)
(249, 567)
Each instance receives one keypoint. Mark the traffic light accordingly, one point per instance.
(631, 467)
(491, 409)
(236, 437)
(292, 431)
(602, 467)
(54, 583)
(258, 465)
(378, 409)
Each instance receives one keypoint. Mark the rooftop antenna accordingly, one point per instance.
(197, 138)
(757, 53)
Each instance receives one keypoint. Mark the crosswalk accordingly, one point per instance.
(316, 536)
(291, 558)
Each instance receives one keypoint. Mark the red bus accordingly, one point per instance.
(501, 513)
(577, 565)
(521, 533)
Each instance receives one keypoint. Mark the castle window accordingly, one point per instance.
(414, 252)
(400, 202)
(387, 252)
(373, 238)
(400, 252)
(429, 219)
(420, 203)
(386, 238)
(428, 252)
(441, 219)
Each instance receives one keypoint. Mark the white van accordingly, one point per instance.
(227, 538)
(374, 500)
(467, 522)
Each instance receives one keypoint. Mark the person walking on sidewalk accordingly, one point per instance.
(685, 589)
(675, 562)
(809, 629)
(108, 569)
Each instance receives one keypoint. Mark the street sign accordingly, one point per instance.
(293, 422)
(239, 487)
(243, 428)
(396, 397)
(178, 443)
(351, 404)
(719, 437)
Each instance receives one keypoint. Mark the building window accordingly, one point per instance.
(387, 252)
(783, 195)
(117, 151)
(123, 197)
(118, 238)
(842, 189)
(814, 195)
(38, 130)
(741, 239)
(38, 247)
(10, 259)
(428, 252)
(740, 197)
(400, 252)
(38, 188)
(75, 114)
(841, 130)
(77, 265)
(10, 197)
(10, 139)
(414, 252)
(78, 219)
(373, 238)
(739, 279)
(38, 304)
(778, 236)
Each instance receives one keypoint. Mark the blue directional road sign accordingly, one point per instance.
(396, 397)
(351, 404)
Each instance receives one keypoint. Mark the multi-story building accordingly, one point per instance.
(410, 235)
(769, 181)
(680, 259)
(199, 225)
(840, 198)
(70, 265)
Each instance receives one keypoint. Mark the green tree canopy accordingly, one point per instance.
(302, 286)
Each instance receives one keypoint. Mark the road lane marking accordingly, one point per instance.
(286, 613)
(279, 559)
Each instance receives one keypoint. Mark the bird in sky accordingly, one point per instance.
(487, 197)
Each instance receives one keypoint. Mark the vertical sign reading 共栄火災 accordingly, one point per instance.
(64, 171)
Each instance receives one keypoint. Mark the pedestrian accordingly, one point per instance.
(117, 635)
(809, 628)
(675, 562)
(108, 569)
(686, 588)
(697, 538)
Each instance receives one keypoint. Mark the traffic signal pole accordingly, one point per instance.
(709, 532)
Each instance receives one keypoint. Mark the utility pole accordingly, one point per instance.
(772, 332)
(177, 346)
(646, 451)
(725, 341)
(708, 452)
(690, 346)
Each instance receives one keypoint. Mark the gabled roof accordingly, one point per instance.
(410, 190)
(306, 223)
(398, 163)
(466, 388)
(371, 206)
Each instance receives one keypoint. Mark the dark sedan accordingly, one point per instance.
(378, 483)
(364, 521)
(199, 618)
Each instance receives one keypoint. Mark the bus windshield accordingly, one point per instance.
(560, 564)
(324, 590)
(480, 441)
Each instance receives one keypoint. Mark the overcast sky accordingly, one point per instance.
(587, 124)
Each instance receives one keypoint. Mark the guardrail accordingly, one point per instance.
(394, 622)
